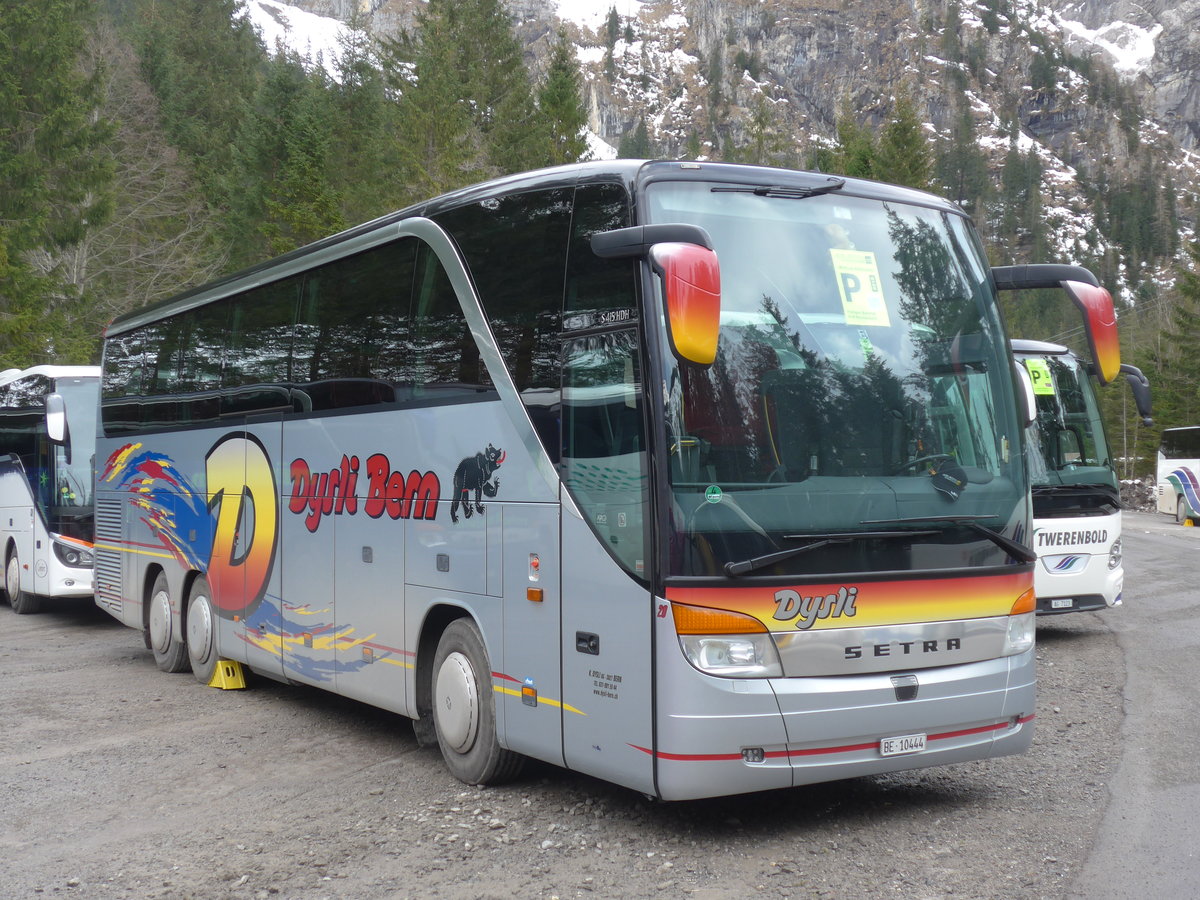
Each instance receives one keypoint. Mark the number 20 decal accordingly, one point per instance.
(241, 490)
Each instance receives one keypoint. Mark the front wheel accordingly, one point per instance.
(22, 602)
(201, 631)
(1181, 509)
(464, 709)
(169, 653)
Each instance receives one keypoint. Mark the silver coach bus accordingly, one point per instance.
(698, 478)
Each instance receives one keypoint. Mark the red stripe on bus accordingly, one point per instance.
(819, 751)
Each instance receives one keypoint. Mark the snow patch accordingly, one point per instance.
(318, 38)
(1131, 47)
(592, 13)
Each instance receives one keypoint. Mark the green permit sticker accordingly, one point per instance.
(860, 287)
(713, 494)
(1039, 374)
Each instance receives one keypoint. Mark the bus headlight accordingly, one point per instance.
(733, 655)
(1114, 554)
(1021, 629)
(73, 555)
(728, 644)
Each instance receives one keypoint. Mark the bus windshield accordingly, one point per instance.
(861, 403)
(74, 463)
(1066, 445)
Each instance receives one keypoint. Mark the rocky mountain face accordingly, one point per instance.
(1169, 86)
(1095, 89)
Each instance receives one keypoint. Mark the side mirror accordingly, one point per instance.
(1140, 385)
(691, 279)
(1025, 388)
(682, 255)
(56, 419)
(1100, 319)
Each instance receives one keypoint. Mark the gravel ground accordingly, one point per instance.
(119, 781)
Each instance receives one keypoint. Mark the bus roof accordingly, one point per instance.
(633, 173)
(8, 376)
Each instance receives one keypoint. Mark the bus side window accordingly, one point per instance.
(599, 291)
(446, 360)
(516, 247)
(256, 377)
(121, 387)
(166, 344)
(350, 345)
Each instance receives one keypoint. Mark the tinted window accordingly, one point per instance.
(121, 385)
(515, 248)
(599, 291)
(351, 337)
(446, 361)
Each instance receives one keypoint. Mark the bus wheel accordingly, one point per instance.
(464, 710)
(169, 653)
(1181, 509)
(22, 602)
(201, 631)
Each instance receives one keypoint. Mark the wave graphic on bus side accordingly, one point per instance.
(309, 642)
(175, 512)
(1184, 481)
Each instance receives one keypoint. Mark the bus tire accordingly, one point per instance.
(464, 709)
(22, 602)
(170, 654)
(1181, 509)
(201, 631)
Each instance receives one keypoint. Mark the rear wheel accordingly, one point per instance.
(169, 653)
(22, 602)
(464, 710)
(201, 631)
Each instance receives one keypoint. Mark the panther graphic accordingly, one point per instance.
(475, 474)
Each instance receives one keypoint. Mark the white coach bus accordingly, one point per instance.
(698, 478)
(47, 462)
(1178, 488)
(1076, 492)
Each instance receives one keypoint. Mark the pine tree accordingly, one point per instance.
(54, 177)
(365, 132)
(561, 106)
(636, 143)
(1169, 363)
(440, 144)
(469, 47)
(855, 152)
(903, 155)
(302, 204)
(204, 62)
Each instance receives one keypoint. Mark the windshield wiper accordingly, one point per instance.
(1014, 548)
(785, 191)
(819, 540)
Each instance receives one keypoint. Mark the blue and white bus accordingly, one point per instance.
(47, 473)
(695, 477)
(1178, 481)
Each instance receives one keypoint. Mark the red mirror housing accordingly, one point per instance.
(692, 293)
(1101, 320)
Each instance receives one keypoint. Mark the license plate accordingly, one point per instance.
(1062, 603)
(901, 744)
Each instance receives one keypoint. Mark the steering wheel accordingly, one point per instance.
(915, 464)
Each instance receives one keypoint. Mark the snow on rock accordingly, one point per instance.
(592, 13)
(317, 38)
(1130, 47)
